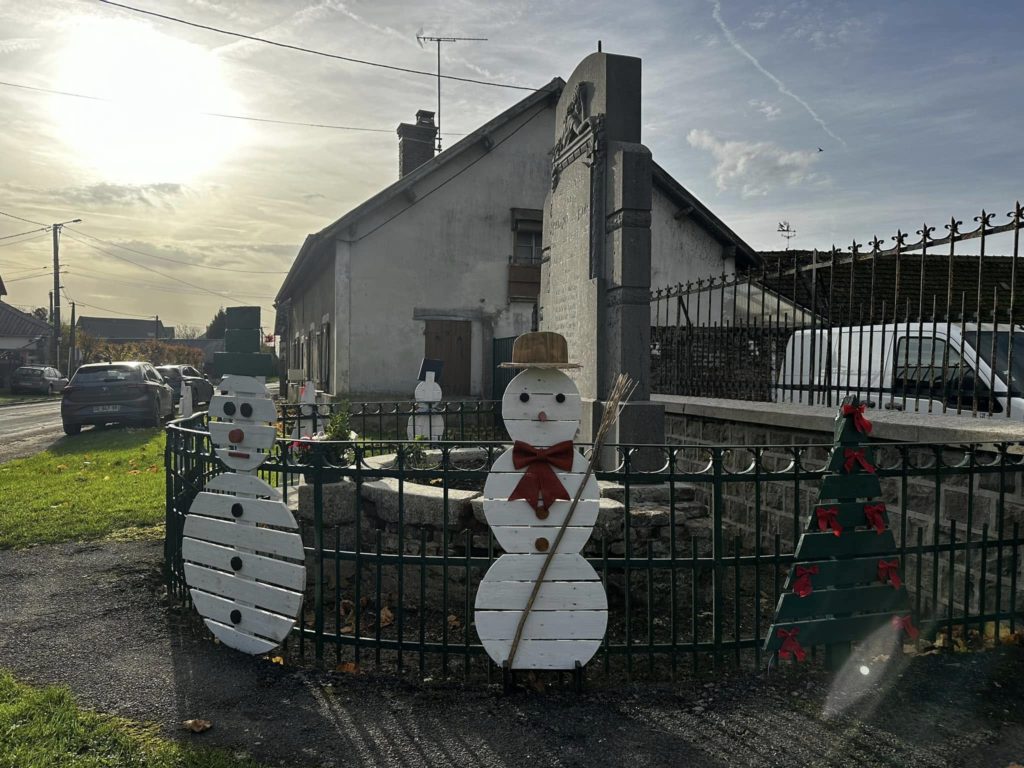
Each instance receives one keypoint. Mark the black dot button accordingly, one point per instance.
(246, 410)
(236, 616)
(236, 563)
(236, 509)
(229, 409)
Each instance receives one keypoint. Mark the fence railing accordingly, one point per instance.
(918, 326)
(389, 420)
(693, 556)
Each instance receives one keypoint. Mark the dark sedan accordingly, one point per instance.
(40, 379)
(174, 375)
(121, 393)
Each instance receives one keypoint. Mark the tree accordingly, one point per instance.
(42, 313)
(845, 583)
(215, 329)
(187, 331)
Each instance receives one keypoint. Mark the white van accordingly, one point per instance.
(915, 366)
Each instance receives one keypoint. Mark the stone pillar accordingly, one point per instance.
(596, 273)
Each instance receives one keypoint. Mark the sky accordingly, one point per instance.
(846, 119)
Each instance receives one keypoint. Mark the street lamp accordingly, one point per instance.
(55, 344)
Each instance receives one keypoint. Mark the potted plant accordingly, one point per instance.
(335, 457)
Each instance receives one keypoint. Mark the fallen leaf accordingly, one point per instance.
(347, 606)
(276, 660)
(453, 621)
(134, 472)
(387, 618)
(348, 667)
(61, 467)
(197, 726)
(348, 629)
(152, 468)
(535, 682)
(106, 477)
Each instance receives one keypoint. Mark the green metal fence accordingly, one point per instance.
(693, 553)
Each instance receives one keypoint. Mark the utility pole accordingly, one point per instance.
(71, 346)
(55, 341)
(421, 38)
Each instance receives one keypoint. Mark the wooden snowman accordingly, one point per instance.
(527, 497)
(425, 423)
(310, 421)
(243, 557)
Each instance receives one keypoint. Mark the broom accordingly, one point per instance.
(622, 388)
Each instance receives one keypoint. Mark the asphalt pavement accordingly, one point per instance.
(29, 428)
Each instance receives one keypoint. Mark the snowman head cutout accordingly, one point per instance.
(244, 431)
(541, 405)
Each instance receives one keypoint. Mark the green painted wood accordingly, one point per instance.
(829, 631)
(837, 459)
(819, 546)
(242, 317)
(840, 573)
(242, 364)
(857, 486)
(845, 601)
(242, 339)
(851, 514)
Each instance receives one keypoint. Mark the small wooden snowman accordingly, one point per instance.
(425, 423)
(310, 420)
(185, 404)
(243, 557)
(527, 497)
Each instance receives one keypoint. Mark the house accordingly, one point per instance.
(119, 329)
(445, 262)
(23, 339)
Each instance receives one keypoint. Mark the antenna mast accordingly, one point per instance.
(786, 231)
(421, 38)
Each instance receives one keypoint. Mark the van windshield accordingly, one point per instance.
(1015, 378)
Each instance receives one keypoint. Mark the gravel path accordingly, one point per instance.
(90, 617)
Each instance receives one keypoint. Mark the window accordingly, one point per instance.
(527, 224)
(929, 368)
(527, 248)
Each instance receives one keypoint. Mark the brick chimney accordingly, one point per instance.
(416, 142)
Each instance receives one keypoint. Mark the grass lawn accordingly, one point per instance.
(44, 728)
(6, 398)
(84, 487)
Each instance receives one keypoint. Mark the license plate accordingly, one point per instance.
(106, 408)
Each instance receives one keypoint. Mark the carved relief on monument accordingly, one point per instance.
(575, 118)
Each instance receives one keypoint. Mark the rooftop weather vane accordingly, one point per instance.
(421, 38)
(786, 231)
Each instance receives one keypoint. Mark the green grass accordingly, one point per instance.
(84, 487)
(6, 398)
(44, 728)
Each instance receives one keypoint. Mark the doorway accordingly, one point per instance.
(450, 341)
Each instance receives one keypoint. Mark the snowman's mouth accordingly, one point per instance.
(238, 454)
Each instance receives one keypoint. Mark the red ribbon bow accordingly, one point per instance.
(540, 479)
(802, 584)
(790, 645)
(874, 513)
(905, 624)
(828, 517)
(859, 421)
(889, 573)
(855, 456)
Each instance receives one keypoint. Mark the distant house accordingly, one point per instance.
(23, 339)
(119, 329)
(445, 262)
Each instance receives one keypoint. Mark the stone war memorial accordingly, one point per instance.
(596, 268)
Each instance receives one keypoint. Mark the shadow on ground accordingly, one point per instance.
(91, 617)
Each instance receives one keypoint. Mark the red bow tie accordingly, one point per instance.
(828, 517)
(859, 422)
(790, 645)
(540, 479)
(905, 624)
(889, 572)
(874, 514)
(802, 584)
(854, 457)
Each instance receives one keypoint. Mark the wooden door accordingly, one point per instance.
(449, 341)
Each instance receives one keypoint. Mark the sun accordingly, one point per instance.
(153, 129)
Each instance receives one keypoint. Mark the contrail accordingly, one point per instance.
(716, 12)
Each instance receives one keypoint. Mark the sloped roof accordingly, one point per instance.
(118, 327)
(14, 322)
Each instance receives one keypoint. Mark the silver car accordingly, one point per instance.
(40, 379)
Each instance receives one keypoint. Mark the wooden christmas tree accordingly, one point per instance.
(845, 582)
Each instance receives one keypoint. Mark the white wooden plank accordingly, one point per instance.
(230, 482)
(277, 572)
(572, 567)
(241, 461)
(542, 625)
(542, 434)
(543, 380)
(266, 596)
(543, 654)
(519, 512)
(253, 510)
(240, 641)
(263, 409)
(500, 484)
(253, 621)
(504, 464)
(248, 537)
(256, 436)
(568, 410)
(553, 596)
(242, 385)
(521, 539)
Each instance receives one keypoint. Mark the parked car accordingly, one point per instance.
(174, 375)
(914, 366)
(40, 379)
(122, 392)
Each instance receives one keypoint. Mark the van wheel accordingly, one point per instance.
(71, 429)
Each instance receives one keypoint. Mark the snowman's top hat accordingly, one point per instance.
(540, 349)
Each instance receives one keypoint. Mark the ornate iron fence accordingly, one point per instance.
(388, 420)
(693, 556)
(931, 325)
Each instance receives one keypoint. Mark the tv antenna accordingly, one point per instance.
(421, 38)
(786, 231)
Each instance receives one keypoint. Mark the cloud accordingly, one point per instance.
(766, 108)
(754, 168)
(15, 44)
(716, 12)
(149, 195)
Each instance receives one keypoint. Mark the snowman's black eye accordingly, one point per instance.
(246, 410)
(560, 397)
(229, 409)
(524, 397)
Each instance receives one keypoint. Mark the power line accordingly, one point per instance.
(26, 240)
(301, 49)
(30, 277)
(20, 234)
(19, 218)
(177, 261)
(107, 277)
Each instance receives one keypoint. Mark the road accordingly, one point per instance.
(29, 428)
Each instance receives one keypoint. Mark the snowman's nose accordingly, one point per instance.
(542, 416)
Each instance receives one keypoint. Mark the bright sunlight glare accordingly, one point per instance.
(154, 133)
